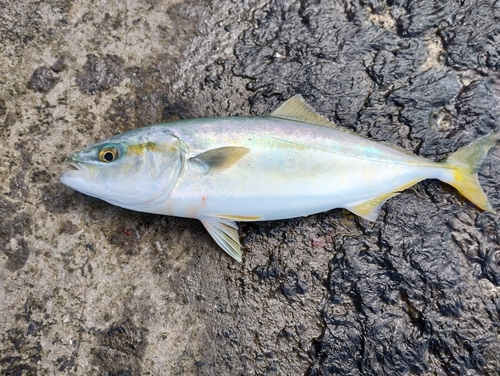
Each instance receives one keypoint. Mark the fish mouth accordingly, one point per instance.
(77, 170)
(72, 164)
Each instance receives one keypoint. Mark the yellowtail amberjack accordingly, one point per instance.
(291, 163)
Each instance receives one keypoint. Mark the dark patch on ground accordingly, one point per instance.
(123, 228)
(468, 31)
(127, 240)
(153, 100)
(120, 349)
(26, 152)
(22, 350)
(41, 176)
(42, 80)
(401, 294)
(187, 19)
(58, 198)
(127, 230)
(100, 73)
(27, 28)
(178, 243)
(17, 257)
(406, 291)
(7, 210)
(3, 107)
(270, 271)
(68, 227)
(294, 285)
(15, 225)
(65, 363)
(5, 127)
(19, 189)
(150, 103)
(14, 365)
(59, 65)
(144, 108)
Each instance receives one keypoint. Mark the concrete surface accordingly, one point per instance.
(87, 288)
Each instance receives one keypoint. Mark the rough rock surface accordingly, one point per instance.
(87, 288)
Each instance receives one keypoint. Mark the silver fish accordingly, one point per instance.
(291, 163)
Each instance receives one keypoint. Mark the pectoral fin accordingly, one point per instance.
(369, 209)
(220, 159)
(225, 234)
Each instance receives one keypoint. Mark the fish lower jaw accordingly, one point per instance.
(68, 176)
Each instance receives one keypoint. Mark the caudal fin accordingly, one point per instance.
(465, 164)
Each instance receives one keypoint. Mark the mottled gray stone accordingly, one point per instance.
(87, 288)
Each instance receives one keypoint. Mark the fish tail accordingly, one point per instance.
(465, 163)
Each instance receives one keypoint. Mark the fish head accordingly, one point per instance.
(132, 170)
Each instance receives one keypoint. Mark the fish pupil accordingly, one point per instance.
(109, 156)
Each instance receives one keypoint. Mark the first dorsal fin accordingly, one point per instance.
(297, 109)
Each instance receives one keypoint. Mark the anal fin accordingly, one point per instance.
(225, 234)
(369, 209)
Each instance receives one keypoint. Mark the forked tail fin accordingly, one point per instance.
(465, 163)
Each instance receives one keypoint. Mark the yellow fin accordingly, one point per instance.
(465, 163)
(220, 159)
(239, 218)
(297, 109)
(369, 209)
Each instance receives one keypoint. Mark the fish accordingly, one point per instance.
(292, 163)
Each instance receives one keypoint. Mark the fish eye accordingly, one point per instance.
(108, 154)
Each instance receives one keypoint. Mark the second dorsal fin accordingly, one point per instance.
(297, 109)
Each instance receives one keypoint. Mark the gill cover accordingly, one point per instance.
(163, 159)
